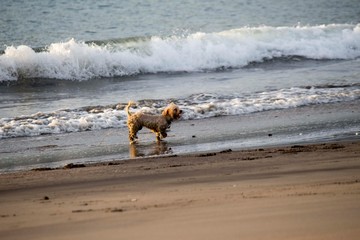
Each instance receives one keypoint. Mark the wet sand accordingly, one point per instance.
(293, 192)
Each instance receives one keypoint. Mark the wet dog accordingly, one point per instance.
(159, 124)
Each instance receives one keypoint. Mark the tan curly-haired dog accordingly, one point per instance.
(156, 123)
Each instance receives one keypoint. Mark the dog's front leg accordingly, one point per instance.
(163, 134)
(160, 135)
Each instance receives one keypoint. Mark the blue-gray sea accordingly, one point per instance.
(68, 68)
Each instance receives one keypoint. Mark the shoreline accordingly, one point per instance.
(307, 191)
(309, 124)
(174, 161)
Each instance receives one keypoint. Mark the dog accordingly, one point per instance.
(159, 124)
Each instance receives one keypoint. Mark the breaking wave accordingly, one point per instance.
(236, 48)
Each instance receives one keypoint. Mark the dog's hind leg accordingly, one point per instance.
(132, 138)
(133, 130)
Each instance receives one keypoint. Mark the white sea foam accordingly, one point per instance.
(61, 121)
(205, 106)
(235, 48)
(197, 106)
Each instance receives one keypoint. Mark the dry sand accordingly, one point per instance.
(294, 192)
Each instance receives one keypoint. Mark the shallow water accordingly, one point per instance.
(310, 124)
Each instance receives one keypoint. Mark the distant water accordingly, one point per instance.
(38, 23)
(71, 66)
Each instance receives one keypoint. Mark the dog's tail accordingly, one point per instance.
(127, 108)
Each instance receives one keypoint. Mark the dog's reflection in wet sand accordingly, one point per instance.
(158, 148)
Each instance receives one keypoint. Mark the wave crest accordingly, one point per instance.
(74, 60)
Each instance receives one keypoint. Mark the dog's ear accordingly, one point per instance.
(165, 112)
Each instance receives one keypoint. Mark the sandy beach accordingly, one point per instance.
(291, 192)
(267, 147)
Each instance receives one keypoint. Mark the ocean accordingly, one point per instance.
(68, 69)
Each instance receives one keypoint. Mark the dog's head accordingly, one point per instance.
(172, 111)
